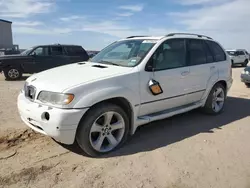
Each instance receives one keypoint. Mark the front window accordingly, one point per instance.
(26, 52)
(232, 53)
(41, 51)
(127, 53)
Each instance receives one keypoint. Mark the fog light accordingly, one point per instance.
(46, 116)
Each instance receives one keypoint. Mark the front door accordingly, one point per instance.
(59, 56)
(171, 72)
(42, 60)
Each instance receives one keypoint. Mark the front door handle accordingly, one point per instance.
(212, 67)
(185, 73)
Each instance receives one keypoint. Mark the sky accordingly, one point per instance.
(96, 23)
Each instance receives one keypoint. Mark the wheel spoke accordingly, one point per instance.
(213, 105)
(98, 142)
(220, 99)
(108, 117)
(112, 139)
(216, 107)
(117, 125)
(96, 128)
(218, 91)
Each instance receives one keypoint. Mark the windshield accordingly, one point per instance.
(232, 53)
(26, 52)
(127, 53)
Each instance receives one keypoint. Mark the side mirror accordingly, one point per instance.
(150, 65)
(33, 54)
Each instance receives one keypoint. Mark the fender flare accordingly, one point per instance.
(97, 96)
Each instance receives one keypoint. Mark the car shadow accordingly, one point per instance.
(168, 131)
(23, 78)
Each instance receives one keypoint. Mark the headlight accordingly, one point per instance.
(245, 72)
(55, 98)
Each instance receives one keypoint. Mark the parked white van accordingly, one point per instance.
(238, 57)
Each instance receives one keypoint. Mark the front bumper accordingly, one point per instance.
(61, 126)
(245, 78)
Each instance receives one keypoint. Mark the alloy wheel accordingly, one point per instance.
(107, 131)
(218, 99)
(13, 73)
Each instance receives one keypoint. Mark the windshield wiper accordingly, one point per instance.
(109, 63)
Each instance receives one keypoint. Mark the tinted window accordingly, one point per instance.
(170, 54)
(197, 52)
(232, 53)
(74, 50)
(241, 53)
(56, 50)
(41, 51)
(217, 51)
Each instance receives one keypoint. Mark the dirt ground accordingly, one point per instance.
(186, 151)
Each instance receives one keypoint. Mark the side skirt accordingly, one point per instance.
(166, 114)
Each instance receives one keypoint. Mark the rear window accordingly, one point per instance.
(241, 53)
(217, 51)
(75, 50)
(56, 50)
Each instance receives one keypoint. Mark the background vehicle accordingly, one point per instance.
(40, 58)
(238, 57)
(131, 82)
(92, 53)
(245, 76)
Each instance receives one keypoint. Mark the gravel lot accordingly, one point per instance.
(190, 150)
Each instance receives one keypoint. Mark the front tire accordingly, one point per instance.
(216, 100)
(12, 73)
(104, 128)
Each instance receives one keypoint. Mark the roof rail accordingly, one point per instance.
(193, 34)
(135, 36)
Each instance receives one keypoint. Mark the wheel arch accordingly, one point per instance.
(221, 81)
(123, 103)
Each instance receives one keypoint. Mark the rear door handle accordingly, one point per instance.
(185, 73)
(212, 67)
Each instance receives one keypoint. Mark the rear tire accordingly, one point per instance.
(103, 129)
(12, 73)
(216, 99)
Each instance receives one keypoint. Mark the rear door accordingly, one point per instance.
(76, 54)
(243, 56)
(59, 56)
(202, 68)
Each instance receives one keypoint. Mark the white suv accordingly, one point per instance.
(131, 82)
(238, 57)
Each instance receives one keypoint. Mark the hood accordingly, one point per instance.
(61, 78)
